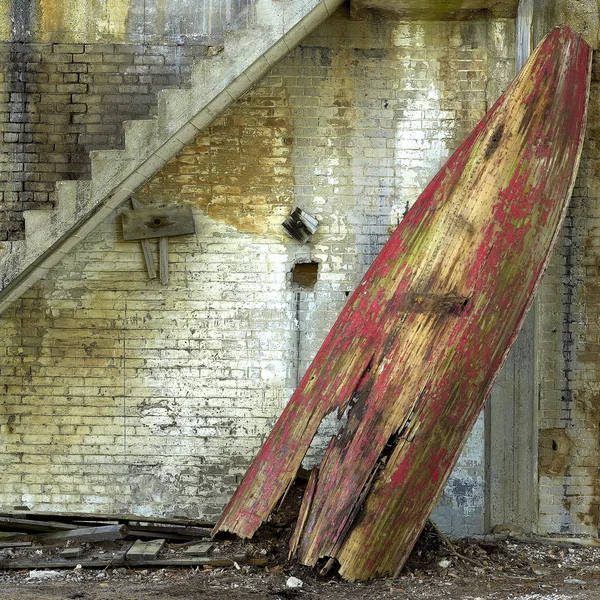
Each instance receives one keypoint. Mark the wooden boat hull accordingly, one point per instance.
(412, 357)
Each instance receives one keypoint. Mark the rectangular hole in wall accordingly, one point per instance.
(305, 274)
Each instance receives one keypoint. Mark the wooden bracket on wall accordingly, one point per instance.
(148, 258)
(144, 224)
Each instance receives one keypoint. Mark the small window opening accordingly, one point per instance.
(305, 274)
(554, 445)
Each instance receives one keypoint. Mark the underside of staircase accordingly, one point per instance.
(278, 26)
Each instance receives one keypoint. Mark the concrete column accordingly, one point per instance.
(510, 414)
(580, 15)
(511, 437)
(512, 491)
(569, 455)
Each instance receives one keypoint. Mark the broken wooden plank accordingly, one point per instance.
(86, 534)
(414, 353)
(561, 542)
(168, 531)
(13, 524)
(153, 535)
(67, 553)
(146, 249)
(15, 544)
(202, 549)
(76, 518)
(119, 560)
(155, 222)
(141, 551)
(13, 536)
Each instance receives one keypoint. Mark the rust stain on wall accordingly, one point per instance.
(554, 451)
(52, 16)
(160, 15)
(4, 20)
(63, 21)
(240, 172)
(341, 125)
(112, 18)
(82, 20)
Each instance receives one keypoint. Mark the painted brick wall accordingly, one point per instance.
(569, 383)
(124, 395)
(59, 101)
(122, 21)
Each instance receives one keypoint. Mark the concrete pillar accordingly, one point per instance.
(580, 15)
(512, 493)
(569, 455)
(510, 414)
(511, 437)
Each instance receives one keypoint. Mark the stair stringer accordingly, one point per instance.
(280, 25)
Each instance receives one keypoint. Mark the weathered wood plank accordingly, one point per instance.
(67, 553)
(170, 531)
(414, 353)
(81, 517)
(120, 560)
(86, 534)
(141, 551)
(15, 544)
(522, 162)
(157, 222)
(163, 253)
(146, 249)
(202, 549)
(15, 524)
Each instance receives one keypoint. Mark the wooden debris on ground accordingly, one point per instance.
(560, 542)
(106, 533)
(41, 543)
(202, 549)
(26, 525)
(14, 528)
(18, 531)
(121, 560)
(171, 532)
(77, 518)
(413, 355)
(75, 552)
(15, 544)
(141, 551)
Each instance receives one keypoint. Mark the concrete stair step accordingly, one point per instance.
(266, 36)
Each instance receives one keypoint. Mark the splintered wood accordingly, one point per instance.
(413, 355)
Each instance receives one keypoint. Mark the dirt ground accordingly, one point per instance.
(493, 568)
(484, 569)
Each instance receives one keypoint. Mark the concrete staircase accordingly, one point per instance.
(278, 27)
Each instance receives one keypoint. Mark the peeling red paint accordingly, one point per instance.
(415, 351)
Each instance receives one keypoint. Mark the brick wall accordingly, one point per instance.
(124, 395)
(569, 382)
(123, 21)
(59, 101)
